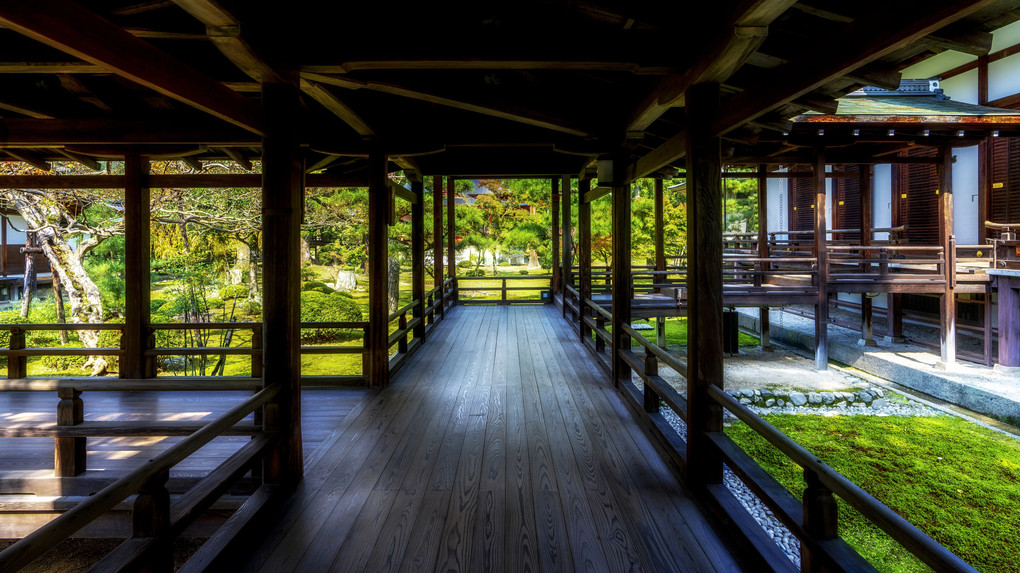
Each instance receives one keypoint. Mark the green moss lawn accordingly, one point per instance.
(958, 482)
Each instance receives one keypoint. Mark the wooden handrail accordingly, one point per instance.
(41, 540)
(913, 539)
(673, 362)
(172, 384)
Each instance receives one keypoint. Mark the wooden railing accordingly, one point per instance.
(503, 290)
(882, 263)
(812, 519)
(155, 520)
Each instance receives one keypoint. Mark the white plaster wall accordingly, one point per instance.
(881, 200)
(778, 201)
(965, 196)
(963, 87)
(1006, 36)
(1004, 77)
(935, 65)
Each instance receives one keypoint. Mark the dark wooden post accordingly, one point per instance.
(947, 314)
(704, 280)
(621, 270)
(894, 318)
(658, 238)
(378, 266)
(418, 257)
(150, 517)
(763, 252)
(554, 285)
(69, 453)
(17, 365)
(568, 247)
(1009, 321)
(451, 234)
(137, 288)
(821, 519)
(822, 306)
(437, 239)
(282, 203)
(583, 254)
(867, 312)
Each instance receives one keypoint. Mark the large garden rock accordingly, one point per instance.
(798, 398)
(346, 281)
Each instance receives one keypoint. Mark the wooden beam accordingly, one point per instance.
(378, 268)
(402, 192)
(224, 30)
(73, 29)
(673, 149)
(487, 64)
(329, 101)
(735, 40)
(596, 194)
(185, 181)
(84, 160)
(191, 162)
(282, 202)
(30, 159)
(963, 39)
(237, 157)
(704, 277)
(137, 288)
(520, 116)
(822, 305)
(51, 68)
(947, 307)
(858, 43)
(59, 132)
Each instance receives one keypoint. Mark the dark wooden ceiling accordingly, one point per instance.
(525, 87)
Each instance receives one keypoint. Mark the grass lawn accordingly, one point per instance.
(956, 481)
(676, 332)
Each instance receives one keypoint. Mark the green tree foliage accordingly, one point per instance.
(334, 307)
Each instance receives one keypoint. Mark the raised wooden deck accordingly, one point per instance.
(500, 447)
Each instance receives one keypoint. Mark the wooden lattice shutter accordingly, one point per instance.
(918, 202)
(802, 200)
(1004, 202)
(846, 204)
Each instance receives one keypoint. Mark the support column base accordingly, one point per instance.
(896, 339)
(868, 343)
(946, 366)
(768, 348)
(1011, 370)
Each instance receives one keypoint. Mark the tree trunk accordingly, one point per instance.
(393, 285)
(40, 213)
(30, 274)
(58, 299)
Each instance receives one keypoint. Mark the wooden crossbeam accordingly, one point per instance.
(860, 42)
(738, 38)
(50, 68)
(69, 27)
(329, 101)
(671, 150)
(48, 132)
(84, 160)
(555, 124)
(30, 159)
(237, 157)
(224, 30)
(185, 181)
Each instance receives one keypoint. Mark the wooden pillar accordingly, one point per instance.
(150, 517)
(894, 318)
(282, 204)
(763, 253)
(867, 314)
(1009, 321)
(418, 257)
(583, 253)
(947, 314)
(555, 282)
(137, 288)
(451, 233)
(822, 306)
(621, 271)
(378, 268)
(659, 238)
(437, 239)
(704, 279)
(568, 242)
(69, 454)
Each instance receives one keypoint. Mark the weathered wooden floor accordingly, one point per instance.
(498, 447)
(26, 458)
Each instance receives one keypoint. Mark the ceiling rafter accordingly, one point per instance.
(739, 37)
(224, 30)
(860, 42)
(491, 110)
(340, 109)
(68, 27)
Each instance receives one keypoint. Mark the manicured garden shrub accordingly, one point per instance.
(334, 307)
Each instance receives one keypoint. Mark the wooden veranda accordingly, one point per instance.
(583, 466)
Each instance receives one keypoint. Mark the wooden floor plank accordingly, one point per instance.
(499, 447)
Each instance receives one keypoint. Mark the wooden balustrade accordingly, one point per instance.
(503, 289)
(156, 522)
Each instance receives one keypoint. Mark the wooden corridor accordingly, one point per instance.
(499, 447)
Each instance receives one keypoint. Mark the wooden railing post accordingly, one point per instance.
(150, 517)
(17, 364)
(401, 325)
(137, 288)
(583, 255)
(69, 453)
(418, 256)
(437, 242)
(821, 519)
(600, 323)
(451, 238)
(651, 399)
(504, 293)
